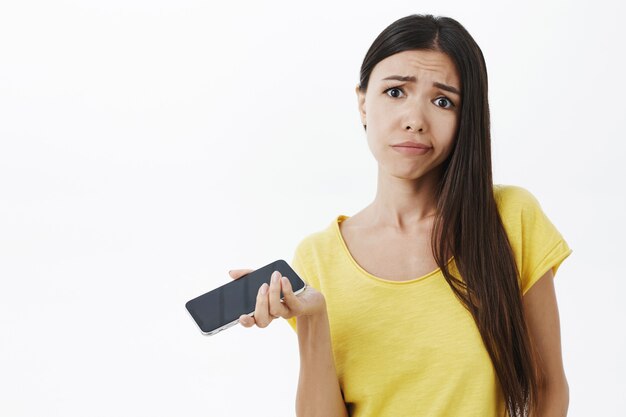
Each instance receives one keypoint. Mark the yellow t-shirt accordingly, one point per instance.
(410, 348)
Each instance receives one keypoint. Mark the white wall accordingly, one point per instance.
(147, 147)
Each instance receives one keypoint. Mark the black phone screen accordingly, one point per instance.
(221, 307)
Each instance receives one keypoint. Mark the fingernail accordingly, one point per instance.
(264, 288)
(275, 277)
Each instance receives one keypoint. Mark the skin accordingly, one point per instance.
(416, 111)
(390, 238)
(404, 204)
(542, 317)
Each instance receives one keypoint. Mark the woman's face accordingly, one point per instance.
(421, 110)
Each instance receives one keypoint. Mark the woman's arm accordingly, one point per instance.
(319, 393)
(542, 317)
(318, 387)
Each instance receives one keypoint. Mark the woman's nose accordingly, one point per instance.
(410, 127)
(415, 119)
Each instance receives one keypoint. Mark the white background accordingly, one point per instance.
(147, 147)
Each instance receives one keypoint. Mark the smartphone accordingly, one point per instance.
(221, 308)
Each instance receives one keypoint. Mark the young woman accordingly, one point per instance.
(437, 299)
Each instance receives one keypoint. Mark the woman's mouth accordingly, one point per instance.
(411, 150)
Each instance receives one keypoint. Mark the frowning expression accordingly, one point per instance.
(411, 96)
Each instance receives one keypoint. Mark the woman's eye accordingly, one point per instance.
(447, 103)
(442, 102)
(392, 89)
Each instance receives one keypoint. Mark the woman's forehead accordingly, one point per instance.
(432, 64)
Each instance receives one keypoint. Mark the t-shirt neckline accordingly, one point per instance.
(343, 217)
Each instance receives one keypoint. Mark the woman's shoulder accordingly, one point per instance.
(535, 240)
(320, 238)
(513, 198)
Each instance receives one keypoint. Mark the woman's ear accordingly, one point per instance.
(361, 103)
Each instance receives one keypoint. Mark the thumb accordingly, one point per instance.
(238, 273)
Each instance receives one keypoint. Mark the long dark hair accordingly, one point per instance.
(467, 224)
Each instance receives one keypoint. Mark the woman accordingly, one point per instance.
(437, 299)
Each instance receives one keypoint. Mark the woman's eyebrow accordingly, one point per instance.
(413, 79)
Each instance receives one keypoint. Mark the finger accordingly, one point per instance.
(261, 311)
(291, 300)
(238, 273)
(246, 320)
(276, 308)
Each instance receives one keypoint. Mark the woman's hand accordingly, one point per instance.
(269, 305)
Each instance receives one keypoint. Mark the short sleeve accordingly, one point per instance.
(542, 245)
(537, 244)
